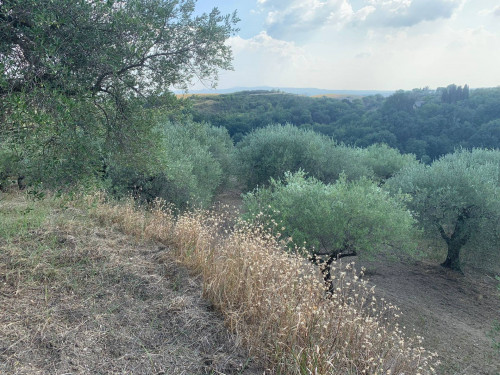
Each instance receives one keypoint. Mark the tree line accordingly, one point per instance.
(427, 123)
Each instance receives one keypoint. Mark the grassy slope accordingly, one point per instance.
(79, 297)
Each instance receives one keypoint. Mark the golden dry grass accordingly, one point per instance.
(77, 297)
(185, 96)
(275, 302)
(337, 96)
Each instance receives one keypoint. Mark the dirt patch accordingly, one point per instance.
(453, 312)
(96, 301)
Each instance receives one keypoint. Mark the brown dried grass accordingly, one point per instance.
(275, 302)
(77, 297)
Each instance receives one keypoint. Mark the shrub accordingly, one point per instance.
(8, 165)
(345, 218)
(269, 152)
(194, 162)
(385, 161)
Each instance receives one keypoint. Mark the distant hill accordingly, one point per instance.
(292, 90)
(424, 122)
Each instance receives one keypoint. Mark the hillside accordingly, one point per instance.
(305, 91)
(119, 255)
(83, 296)
(423, 122)
(79, 297)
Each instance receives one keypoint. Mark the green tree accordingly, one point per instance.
(92, 71)
(270, 152)
(336, 220)
(385, 161)
(194, 163)
(457, 198)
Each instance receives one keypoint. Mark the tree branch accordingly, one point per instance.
(97, 86)
(443, 234)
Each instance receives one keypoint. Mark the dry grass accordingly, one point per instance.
(275, 302)
(80, 298)
(338, 96)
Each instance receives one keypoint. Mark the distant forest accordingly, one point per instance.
(427, 123)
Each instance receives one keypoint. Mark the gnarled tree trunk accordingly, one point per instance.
(456, 241)
(453, 258)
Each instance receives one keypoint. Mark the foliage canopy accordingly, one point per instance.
(271, 151)
(340, 219)
(458, 199)
(423, 122)
(83, 81)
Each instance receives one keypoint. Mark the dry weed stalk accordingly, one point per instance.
(276, 302)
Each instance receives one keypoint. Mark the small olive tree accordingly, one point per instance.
(336, 220)
(458, 199)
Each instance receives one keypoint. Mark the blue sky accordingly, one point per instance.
(362, 44)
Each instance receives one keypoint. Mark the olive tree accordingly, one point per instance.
(458, 199)
(195, 165)
(385, 161)
(80, 79)
(346, 218)
(271, 151)
(109, 48)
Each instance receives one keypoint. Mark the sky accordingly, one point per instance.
(362, 44)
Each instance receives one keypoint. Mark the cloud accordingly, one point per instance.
(263, 42)
(495, 11)
(363, 55)
(291, 18)
(285, 18)
(407, 13)
(263, 59)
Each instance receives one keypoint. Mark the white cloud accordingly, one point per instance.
(495, 11)
(264, 60)
(368, 44)
(263, 43)
(406, 13)
(287, 19)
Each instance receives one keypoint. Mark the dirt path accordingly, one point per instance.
(453, 312)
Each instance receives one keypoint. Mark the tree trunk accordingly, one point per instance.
(326, 266)
(459, 238)
(453, 258)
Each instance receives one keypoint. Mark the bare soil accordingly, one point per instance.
(453, 312)
(79, 299)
